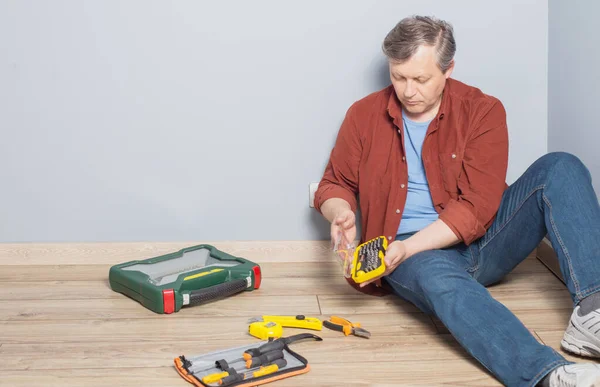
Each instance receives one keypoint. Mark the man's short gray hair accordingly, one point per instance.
(405, 38)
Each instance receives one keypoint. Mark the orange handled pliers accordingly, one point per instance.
(342, 325)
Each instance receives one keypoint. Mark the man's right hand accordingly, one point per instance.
(343, 228)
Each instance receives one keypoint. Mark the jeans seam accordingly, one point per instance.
(586, 292)
(475, 261)
(491, 237)
(563, 247)
(556, 363)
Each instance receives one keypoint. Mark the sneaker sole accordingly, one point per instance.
(578, 347)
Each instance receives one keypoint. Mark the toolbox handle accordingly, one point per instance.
(212, 293)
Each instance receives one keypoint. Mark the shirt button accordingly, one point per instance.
(403, 158)
(401, 185)
(453, 156)
(390, 238)
(397, 211)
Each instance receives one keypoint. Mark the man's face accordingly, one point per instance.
(419, 83)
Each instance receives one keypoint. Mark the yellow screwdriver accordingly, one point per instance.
(253, 362)
(262, 371)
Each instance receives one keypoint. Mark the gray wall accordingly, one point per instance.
(573, 82)
(152, 120)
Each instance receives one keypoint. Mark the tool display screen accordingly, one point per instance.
(167, 271)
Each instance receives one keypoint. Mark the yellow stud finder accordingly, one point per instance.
(264, 330)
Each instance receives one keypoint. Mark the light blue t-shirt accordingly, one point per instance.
(418, 211)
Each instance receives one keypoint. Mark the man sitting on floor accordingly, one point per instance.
(428, 158)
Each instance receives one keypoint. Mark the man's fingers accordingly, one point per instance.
(392, 260)
(377, 281)
(343, 220)
(362, 285)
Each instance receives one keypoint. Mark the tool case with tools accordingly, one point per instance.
(248, 365)
(369, 259)
(191, 276)
(363, 262)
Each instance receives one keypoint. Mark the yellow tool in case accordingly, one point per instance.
(266, 327)
(246, 365)
(368, 260)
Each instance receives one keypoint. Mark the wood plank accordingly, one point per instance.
(159, 354)
(77, 331)
(364, 304)
(194, 329)
(88, 290)
(28, 310)
(36, 288)
(56, 290)
(519, 282)
(401, 373)
(28, 273)
(534, 300)
(538, 338)
(119, 252)
(530, 265)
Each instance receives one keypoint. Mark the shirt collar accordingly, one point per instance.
(394, 107)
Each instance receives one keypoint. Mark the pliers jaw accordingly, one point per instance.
(348, 328)
(360, 332)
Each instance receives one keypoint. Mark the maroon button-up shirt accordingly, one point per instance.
(465, 156)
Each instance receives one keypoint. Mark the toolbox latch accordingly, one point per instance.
(168, 301)
(257, 279)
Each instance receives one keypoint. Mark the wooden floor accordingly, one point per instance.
(62, 325)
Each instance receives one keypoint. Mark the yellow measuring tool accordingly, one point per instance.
(268, 326)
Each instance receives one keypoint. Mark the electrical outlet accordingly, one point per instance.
(312, 188)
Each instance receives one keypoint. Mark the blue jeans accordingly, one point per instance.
(554, 197)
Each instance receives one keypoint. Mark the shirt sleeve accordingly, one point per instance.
(340, 179)
(483, 178)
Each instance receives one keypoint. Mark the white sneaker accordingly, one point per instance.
(576, 375)
(582, 336)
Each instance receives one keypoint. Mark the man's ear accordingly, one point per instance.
(450, 69)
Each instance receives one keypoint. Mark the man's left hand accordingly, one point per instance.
(394, 256)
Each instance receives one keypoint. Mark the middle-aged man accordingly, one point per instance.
(427, 158)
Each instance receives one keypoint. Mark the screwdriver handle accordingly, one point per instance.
(231, 379)
(212, 378)
(267, 358)
(268, 347)
(262, 371)
(277, 365)
(277, 344)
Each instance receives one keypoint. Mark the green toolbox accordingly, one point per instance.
(191, 276)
